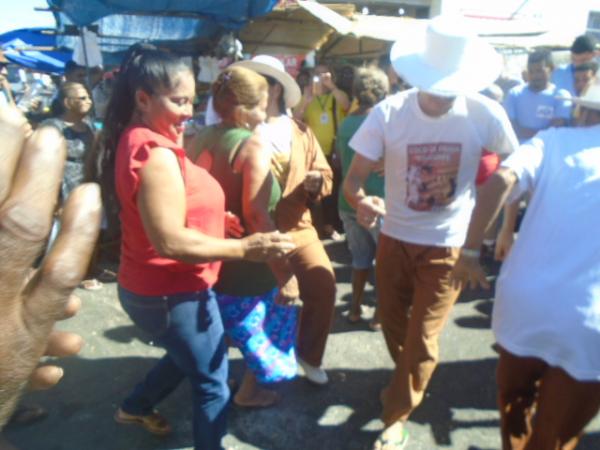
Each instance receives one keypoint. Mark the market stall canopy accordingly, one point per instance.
(371, 35)
(296, 28)
(34, 48)
(179, 24)
(337, 30)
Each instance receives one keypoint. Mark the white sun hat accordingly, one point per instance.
(448, 59)
(272, 67)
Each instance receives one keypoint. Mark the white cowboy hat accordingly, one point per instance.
(272, 67)
(448, 60)
(591, 97)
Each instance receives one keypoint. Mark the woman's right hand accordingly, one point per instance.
(261, 247)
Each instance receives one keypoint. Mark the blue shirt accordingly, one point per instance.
(536, 110)
(564, 78)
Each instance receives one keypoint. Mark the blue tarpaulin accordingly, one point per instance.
(52, 61)
(229, 14)
(121, 23)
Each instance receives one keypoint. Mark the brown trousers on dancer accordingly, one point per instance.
(542, 407)
(316, 280)
(415, 296)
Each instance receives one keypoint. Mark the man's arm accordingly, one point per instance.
(341, 97)
(505, 238)
(368, 208)
(490, 199)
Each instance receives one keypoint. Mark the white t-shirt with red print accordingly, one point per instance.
(431, 163)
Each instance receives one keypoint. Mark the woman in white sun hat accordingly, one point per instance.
(304, 176)
(432, 137)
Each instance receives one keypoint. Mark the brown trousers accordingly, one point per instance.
(542, 407)
(316, 280)
(415, 296)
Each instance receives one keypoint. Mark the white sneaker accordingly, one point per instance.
(313, 374)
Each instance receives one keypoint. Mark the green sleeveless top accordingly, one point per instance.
(238, 278)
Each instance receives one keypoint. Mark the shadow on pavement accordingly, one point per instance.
(309, 417)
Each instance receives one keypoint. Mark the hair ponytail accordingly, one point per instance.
(143, 67)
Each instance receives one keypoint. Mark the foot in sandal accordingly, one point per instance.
(153, 423)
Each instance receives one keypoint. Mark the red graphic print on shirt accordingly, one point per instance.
(431, 176)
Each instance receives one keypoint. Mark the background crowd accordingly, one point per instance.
(219, 224)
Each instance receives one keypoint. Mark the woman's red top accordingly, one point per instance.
(142, 270)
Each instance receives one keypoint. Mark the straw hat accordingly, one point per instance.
(272, 67)
(447, 60)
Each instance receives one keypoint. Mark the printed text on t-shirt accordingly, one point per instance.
(431, 176)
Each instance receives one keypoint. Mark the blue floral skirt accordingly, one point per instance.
(265, 333)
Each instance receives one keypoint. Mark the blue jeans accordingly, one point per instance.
(361, 241)
(189, 327)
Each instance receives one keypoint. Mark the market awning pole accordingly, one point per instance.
(85, 57)
(88, 76)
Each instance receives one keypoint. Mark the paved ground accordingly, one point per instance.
(458, 413)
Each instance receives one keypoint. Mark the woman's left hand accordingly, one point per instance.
(233, 225)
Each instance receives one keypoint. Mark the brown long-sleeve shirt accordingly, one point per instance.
(292, 213)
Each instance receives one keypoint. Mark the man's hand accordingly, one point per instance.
(468, 270)
(368, 210)
(32, 301)
(313, 181)
(327, 80)
(261, 247)
(504, 242)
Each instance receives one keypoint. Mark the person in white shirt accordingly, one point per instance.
(431, 138)
(546, 316)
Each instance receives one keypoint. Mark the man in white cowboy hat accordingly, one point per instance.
(299, 165)
(431, 138)
(547, 310)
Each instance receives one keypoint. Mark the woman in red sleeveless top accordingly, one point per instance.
(173, 239)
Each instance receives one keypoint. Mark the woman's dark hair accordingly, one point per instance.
(143, 67)
(281, 100)
(344, 79)
(147, 69)
(370, 86)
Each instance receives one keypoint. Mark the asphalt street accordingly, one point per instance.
(459, 411)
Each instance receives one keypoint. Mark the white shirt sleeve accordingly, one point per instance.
(501, 137)
(369, 140)
(525, 163)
